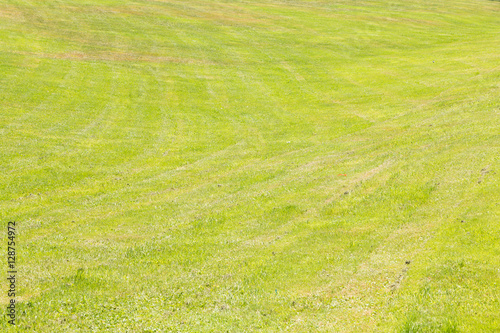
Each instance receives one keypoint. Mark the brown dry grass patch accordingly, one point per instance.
(11, 13)
(115, 56)
(222, 13)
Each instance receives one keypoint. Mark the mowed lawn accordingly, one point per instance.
(251, 166)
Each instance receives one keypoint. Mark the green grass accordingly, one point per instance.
(178, 166)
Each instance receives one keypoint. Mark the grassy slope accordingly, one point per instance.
(175, 165)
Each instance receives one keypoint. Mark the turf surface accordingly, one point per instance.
(241, 166)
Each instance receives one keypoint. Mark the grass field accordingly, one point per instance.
(246, 166)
